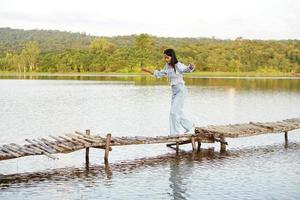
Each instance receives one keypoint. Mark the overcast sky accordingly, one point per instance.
(252, 19)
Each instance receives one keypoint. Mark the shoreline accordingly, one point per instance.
(190, 75)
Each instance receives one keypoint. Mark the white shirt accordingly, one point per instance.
(173, 78)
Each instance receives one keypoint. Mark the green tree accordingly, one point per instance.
(100, 45)
(29, 54)
(144, 48)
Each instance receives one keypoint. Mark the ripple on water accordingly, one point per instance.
(252, 173)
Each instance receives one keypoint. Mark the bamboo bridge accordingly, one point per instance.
(209, 134)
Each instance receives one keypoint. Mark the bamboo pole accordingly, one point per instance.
(49, 149)
(80, 141)
(52, 144)
(286, 136)
(179, 143)
(91, 138)
(71, 141)
(15, 154)
(25, 148)
(4, 155)
(87, 139)
(16, 149)
(199, 145)
(87, 150)
(43, 149)
(193, 143)
(222, 143)
(177, 147)
(39, 151)
(107, 145)
(62, 143)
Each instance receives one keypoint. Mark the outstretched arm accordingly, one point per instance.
(156, 73)
(147, 70)
(184, 69)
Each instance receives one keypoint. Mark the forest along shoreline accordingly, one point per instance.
(194, 74)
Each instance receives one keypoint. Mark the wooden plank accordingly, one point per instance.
(65, 147)
(293, 120)
(4, 154)
(52, 144)
(179, 143)
(42, 152)
(11, 152)
(93, 138)
(13, 149)
(49, 149)
(63, 143)
(70, 140)
(30, 147)
(57, 139)
(79, 140)
(23, 148)
(264, 125)
(17, 150)
(35, 149)
(88, 139)
(39, 146)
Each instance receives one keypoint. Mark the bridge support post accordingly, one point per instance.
(199, 145)
(286, 136)
(107, 146)
(87, 151)
(222, 143)
(177, 147)
(193, 143)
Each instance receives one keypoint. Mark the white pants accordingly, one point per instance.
(177, 118)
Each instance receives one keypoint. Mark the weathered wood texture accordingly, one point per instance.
(57, 144)
(76, 141)
(250, 129)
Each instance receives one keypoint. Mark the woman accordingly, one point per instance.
(174, 69)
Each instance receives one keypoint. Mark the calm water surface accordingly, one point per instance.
(260, 167)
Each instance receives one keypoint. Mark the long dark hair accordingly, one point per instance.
(171, 52)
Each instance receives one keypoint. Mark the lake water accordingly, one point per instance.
(259, 167)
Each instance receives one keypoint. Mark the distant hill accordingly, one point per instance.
(61, 51)
(48, 40)
(55, 40)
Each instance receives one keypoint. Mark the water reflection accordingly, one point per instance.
(181, 166)
(176, 179)
(188, 171)
(179, 163)
(238, 83)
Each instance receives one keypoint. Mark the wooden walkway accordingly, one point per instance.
(209, 134)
